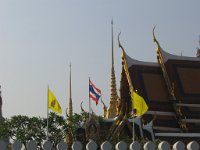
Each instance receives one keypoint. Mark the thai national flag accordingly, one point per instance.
(95, 93)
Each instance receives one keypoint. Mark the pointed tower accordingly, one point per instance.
(70, 113)
(112, 109)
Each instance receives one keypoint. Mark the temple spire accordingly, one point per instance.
(112, 109)
(70, 113)
(69, 134)
(112, 46)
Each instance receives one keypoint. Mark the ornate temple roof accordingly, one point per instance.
(132, 61)
(167, 56)
(171, 89)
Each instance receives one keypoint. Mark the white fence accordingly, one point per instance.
(193, 145)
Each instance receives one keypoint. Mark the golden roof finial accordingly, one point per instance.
(155, 40)
(170, 85)
(120, 46)
(104, 108)
(82, 107)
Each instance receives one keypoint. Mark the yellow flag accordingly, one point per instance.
(53, 103)
(139, 103)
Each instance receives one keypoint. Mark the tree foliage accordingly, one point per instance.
(25, 129)
(76, 121)
(57, 128)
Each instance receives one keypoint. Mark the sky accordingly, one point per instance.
(40, 38)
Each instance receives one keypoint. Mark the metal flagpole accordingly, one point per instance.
(47, 112)
(89, 100)
(133, 122)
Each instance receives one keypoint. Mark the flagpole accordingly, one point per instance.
(47, 113)
(133, 124)
(89, 100)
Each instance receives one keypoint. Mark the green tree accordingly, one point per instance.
(23, 129)
(57, 128)
(75, 122)
(4, 132)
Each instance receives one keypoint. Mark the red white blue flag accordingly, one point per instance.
(95, 93)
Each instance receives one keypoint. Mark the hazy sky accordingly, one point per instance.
(39, 39)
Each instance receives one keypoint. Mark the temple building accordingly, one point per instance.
(171, 89)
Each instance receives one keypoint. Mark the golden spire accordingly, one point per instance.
(112, 109)
(112, 51)
(70, 113)
(69, 135)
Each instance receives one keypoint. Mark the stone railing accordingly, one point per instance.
(193, 145)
